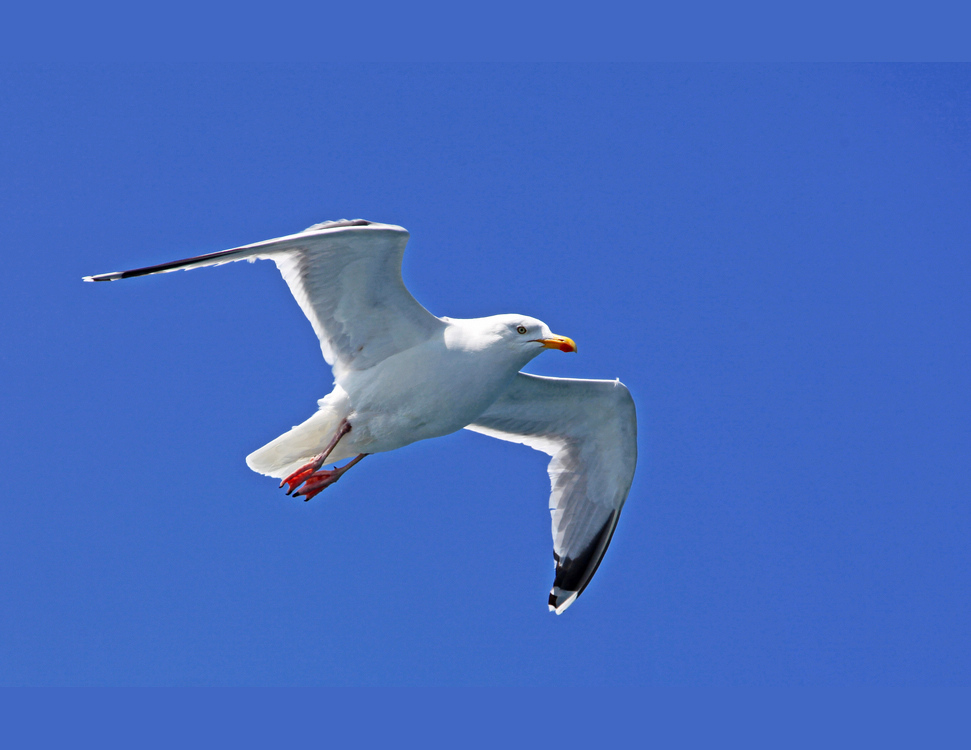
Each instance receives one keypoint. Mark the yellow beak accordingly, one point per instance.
(563, 343)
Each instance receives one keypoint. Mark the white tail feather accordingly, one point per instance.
(284, 455)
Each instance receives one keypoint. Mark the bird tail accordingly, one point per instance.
(284, 455)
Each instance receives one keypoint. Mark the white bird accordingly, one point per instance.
(401, 375)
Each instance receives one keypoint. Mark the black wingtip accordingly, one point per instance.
(115, 275)
(574, 574)
(162, 267)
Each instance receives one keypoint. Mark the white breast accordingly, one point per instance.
(423, 392)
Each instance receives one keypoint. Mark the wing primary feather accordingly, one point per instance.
(573, 575)
(274, 245)
(162, 267)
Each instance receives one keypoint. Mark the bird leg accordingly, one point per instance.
(300, 475)
(321, 480)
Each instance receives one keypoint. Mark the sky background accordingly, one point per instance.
(774, 259)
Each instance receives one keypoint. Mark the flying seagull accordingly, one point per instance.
(401, 375)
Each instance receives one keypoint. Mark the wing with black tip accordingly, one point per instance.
(346, 277)
(589, 429)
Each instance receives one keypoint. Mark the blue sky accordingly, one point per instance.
(773, 258)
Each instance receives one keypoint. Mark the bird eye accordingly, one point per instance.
(521, 329)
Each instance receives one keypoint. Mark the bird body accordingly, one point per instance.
(454, 367)
(403, 375)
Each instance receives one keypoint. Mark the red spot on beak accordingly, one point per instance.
(562, 343)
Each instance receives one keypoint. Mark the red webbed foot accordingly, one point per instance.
(304, 472)
(318, 482)
(314, 481)
(300, 475)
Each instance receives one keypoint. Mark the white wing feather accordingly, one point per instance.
(346, 277)
(589, 429)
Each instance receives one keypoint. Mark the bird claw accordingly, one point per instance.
(300, 475)
(295, 480)
(318, 482)
(315, 481)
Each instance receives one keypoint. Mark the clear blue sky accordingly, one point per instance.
(775, 260)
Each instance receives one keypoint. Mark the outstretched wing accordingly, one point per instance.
(346, 277)
(590, 430)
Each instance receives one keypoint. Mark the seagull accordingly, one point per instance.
(402, 374)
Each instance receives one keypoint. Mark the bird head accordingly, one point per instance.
(530, 336)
